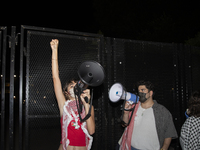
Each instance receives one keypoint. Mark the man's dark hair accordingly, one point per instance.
(194, 104)
(148, 85)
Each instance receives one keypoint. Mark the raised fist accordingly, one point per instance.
(54, 44)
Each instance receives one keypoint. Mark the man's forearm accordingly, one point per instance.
(166, 144)
(126, 117)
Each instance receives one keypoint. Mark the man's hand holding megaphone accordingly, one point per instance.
(127, 106)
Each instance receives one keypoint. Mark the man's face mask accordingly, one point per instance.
(142, 96)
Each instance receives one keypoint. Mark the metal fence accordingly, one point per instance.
(29, 113)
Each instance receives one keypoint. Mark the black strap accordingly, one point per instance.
(78, 92)
(132, 109)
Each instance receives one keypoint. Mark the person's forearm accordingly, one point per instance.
(55, 75)
(91, 120)
(55, 71)
(126, 113)
(126, 117)
(166, 144)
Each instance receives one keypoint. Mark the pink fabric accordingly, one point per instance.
(127, 135)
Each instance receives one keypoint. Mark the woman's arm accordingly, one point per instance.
(91, 120)
(55, 74)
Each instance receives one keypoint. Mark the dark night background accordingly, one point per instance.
(148, 20)
(169, 21)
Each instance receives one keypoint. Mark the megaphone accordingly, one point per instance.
(117, 92)
(91, 73)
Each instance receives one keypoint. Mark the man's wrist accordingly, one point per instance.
(126, 112)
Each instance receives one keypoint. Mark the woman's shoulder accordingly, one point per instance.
(193, 119)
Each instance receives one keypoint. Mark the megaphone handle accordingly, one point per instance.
(88, 115)
(86, 99)
(89, 112)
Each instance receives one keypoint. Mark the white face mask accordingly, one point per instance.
(71, 92)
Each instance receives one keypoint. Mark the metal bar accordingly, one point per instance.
(0, 44)
(11, 99)
(62, 35)
(44, 116)
(3, 80)
(188, 72)
(176, 95)
(60, 31)
(183, 82)
(21, 89)
(2, 117)
(27, 93)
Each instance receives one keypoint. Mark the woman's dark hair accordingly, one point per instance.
(66, 87)
(194, 104)
(148, 85)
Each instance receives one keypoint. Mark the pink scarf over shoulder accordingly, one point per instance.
(127, 135)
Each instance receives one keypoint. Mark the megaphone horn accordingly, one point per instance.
(91, 73)
(117, 92)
